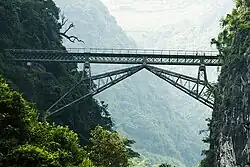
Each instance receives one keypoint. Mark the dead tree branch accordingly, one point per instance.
(70, 26)
(71, 38)
(63, 21)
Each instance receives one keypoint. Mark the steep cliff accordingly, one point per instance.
(229, 127)
(230, 137)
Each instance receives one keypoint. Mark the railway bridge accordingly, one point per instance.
(197, 87)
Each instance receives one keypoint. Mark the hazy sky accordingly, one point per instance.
(143, 15)
(170, 24)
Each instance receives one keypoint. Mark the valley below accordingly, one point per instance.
(164, 121)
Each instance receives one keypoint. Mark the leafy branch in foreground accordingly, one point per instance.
(108, 149)
(27, 142)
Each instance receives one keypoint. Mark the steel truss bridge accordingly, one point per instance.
(198, 88)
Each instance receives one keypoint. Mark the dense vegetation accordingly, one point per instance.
(34, 24)
(24, 140)
(233, 42)
(27, 142)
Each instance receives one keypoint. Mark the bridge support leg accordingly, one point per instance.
(195, 87)
(202, 76)
(86, 75)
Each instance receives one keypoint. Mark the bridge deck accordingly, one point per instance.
(118, 56)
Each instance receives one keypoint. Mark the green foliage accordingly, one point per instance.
(233, 40)
(131, 153)
(27, 142)
(16, 116)
(36, 156)
(29, 24)
(34, 24)
(59, 140)
(40, 156)
(138, 162)
(108, 149)
(199, 165)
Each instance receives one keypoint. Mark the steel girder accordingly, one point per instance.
(195, 87)
(129, 56)
(100, 83)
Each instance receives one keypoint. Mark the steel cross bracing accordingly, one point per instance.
(118, 56)
(99, 83)
(195, 87)
(198, 88)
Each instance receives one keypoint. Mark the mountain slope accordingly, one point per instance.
(163, 120)
(171, 24)
(94, 25)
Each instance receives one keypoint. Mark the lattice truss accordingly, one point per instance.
(117, 56)
(198, 88)
(95, 85)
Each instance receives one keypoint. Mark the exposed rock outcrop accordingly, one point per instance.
(230, 126)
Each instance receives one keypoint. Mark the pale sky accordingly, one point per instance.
(171, 24)
(143, 15)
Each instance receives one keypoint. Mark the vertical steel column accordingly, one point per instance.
(202, 74)
(86, 73)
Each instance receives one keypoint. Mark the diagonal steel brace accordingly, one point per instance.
(112, 78)
(190, 86)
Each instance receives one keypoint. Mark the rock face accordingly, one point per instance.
(230, 130)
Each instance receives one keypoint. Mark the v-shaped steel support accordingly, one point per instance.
(190, 85)
(100, 83)
(195, 87)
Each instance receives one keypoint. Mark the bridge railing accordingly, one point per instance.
(125, 51)
(143, 51)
